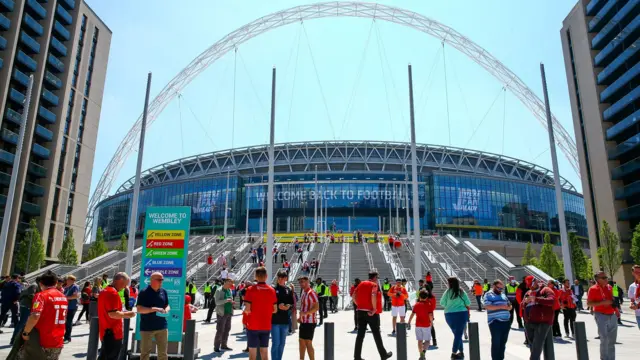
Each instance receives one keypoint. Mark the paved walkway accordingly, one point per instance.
(628, 340)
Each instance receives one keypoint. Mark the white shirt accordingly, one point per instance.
(632, 296)
(224, 274)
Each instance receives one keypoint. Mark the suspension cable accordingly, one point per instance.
(233, 106)
(384, 80)
(446, 91)
(180, 120)
(484, 117)
(504, 115)
(315, 68)
(198, 120)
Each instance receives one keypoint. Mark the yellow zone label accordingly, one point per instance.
(165, 234)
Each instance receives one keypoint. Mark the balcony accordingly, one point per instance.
(47, 115)
(13, 116)
(3, 43)
(9, 136)
(17, 96)
(594, 6)
(44, 133)
(20, 77)
(64, 15)
(622, 82)
(623, 125)
(34, 189)
(618, 65)
(5, 23)
(30, 208)
(629, 190)
(50, 97)
(603, 16)
(59, 48)
(26, 60)
(6, 157)
(6, 5)
(609, 31)
(3, 200)
(622, 104)
(628, 145)
(37, 170)
(29, 42)
(55, 63)
(37, 9)
(69, 4)
(629, 213)
(60, 29)
(613, 48)
(53, 80)
(625, 169)
(33, 25)
(5, 179)
(41, 151)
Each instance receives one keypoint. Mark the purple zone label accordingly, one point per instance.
(168, 272)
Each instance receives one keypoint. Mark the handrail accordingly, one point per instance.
(479, 266)
(320, 259)
(502, 273)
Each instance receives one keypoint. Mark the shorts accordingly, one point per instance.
(423, 333)
(258, 338)
(398, 311)
(306, 331)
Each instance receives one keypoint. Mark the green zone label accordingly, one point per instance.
(161, 253)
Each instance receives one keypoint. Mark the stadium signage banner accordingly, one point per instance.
(165, 241)
(334, 195)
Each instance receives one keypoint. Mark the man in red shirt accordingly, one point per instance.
(110, 317)
(48, 314)
(398, 295)
(334, 296)
(368, 299)
(260, 304)
(600, 298)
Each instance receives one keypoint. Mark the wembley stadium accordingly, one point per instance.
(361, 184)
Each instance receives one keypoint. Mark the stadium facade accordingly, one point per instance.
(364, 186)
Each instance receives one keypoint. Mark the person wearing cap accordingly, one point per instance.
(538, 313)
(600, 299)
(153, 305)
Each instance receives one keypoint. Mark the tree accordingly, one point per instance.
(98, 247)
(34, 255)
(68, 254)
(528, 256)
(549, 261)
(578, 258)
(609, 252)
(635, 245)
(123, 243)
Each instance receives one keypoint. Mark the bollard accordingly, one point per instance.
(125, 339)
(189, 340)
(329, 341)
(94, 334)
(401, 341)
(581, 340)
(93, 309)
(474, 341)
(549, 353)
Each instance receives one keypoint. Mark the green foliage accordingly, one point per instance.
(98, 247)
(68, 254)
(579, 260)
(609, 252)
(122, 246)
(635, 245)
(35, 257)
(549, 261)
(528, 256)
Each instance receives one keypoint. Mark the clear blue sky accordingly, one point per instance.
(364, 101)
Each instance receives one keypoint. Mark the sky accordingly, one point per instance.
(337, 78)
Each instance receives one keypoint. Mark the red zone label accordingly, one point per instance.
(165, 244)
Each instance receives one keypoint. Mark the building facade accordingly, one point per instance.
(363, 186)
(65, 46)
(601, 45)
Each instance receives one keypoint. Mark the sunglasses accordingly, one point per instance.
(160, 280)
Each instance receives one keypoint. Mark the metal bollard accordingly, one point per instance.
(94, 335)
(474, 341)
(549, 353)
(329, 342)
(190, 340)
(93, 309)
(126, 324)
(581, 340)
(401, 341)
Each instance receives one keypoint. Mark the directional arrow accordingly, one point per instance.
(146, 281)
(147, 272)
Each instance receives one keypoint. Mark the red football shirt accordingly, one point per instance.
(597, 293)
(51, 304)
(422, 309)
(363, 296)
(334, 289)
(262, 297)
(109, 301)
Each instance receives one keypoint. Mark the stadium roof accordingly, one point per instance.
(360, 156)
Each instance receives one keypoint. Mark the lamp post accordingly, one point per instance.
(303, 203)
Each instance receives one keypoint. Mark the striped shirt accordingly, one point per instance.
(308, 298)
(493, 299)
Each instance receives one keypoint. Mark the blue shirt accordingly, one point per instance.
(71, 290)
(150, 298)
(493, 299)
(10, 292)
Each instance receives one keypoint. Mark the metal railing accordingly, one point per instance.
(474, 264)
(367, 254)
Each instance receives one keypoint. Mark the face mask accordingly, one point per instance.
(498, 292)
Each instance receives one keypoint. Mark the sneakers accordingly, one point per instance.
(457, 356)
(421, 356)
(389, 355)
(226, 348)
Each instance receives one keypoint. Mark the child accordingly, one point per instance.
(188, 309)
(423, 310)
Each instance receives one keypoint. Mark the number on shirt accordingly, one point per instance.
(60, 310)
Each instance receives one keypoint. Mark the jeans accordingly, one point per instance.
(479, 301)
(515, 312)
(608, 332)
(85, 312)
(323, 309)
(374, 324)
(68, 325)
(569, 320)
(278, 340)
(638, 321)
(146, 343)
(457, 321)
(24, 314)
(4, 311)
(536, 335)
(499, 336)
(223, 326)
(556, 323)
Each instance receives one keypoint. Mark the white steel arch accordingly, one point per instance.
(315, 11)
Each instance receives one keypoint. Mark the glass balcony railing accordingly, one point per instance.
(47, 115)
(603, 16)
(13, 116)
(9, 136)
(629, 213)
(6, 157)
(20, 77)
(628, 145)
(3, 43)
(629, 190)
(58, 46)
(50, 97)
(16, 96)
(5, 23)
(34, 189)
(618, 64)
(7, 5)
(44, 133)
(625, 169)
(610, 30)
(5, 178)
(1, 63)
(41, 151)
(621, 104)
(37, 9)
(29, 42)
(623, 125)
(3, 200)
(55, 63)
(37, 170)
(60, 29)
(26, 60)
(53, 80)
(69, 4)
(593, 6)
(613, 47)
(622, 81)
(64, 15)
(33, 25)
(30, 208)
